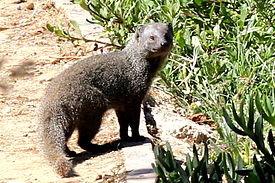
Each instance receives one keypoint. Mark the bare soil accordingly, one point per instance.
(30, 56)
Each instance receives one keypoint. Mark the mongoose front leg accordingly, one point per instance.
(134, 119)
(123, 124)
(130, 116)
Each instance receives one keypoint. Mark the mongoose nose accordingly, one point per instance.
(164, 44)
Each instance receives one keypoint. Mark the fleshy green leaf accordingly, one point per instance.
(252, 178)
(250, 123)
(75, 26)
(50, 28)
(196, 157)
(231, 125)
(271, 142)
(259, 170)
(259, 131)
(84, 5)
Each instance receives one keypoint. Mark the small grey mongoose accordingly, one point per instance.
(79, 96)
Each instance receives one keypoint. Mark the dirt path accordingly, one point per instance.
(25, 44)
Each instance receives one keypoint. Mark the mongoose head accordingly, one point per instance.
(153, 39)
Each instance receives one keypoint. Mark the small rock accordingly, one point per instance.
(6, 111)
(30, 6)
(99, 177)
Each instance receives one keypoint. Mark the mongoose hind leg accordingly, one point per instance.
(68, 134)
(129, 116)
(87, 129)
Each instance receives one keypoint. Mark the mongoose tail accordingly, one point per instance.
(55, 150)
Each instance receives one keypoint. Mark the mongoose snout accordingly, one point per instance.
(79, 96)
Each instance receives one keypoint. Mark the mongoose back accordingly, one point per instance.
(79, 96)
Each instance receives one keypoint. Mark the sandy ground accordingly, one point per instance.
(30, 56)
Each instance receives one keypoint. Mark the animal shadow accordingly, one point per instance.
(103, 149)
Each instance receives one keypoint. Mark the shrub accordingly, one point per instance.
(205, 170)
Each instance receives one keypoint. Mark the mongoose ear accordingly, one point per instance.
(139, 31)
(170, 27)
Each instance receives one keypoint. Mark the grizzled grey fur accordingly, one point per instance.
(79, 96)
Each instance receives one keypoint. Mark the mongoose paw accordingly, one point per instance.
(71, 154)
(134, 139)
(125, 139)
(139, 139)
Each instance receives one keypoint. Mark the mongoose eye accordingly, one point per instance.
(152, 37)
